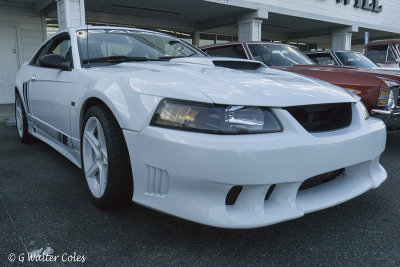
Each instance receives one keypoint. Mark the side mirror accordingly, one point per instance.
(54, 61)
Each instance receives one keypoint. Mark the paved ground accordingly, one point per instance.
(43, 204)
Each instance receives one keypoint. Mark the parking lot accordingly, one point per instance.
(44, 204)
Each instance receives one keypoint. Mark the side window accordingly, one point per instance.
(322, 59)
(235, 51)
(380, 54)
(60, 46)
(39, 54)
(390, 55)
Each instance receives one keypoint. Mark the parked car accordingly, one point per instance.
(341, 58)
(385, 53)
(379, 91)
(223, 142)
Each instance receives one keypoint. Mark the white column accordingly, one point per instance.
(249, 25)
(249, 30)
(196, 38)
(71, 13)
(341, 38)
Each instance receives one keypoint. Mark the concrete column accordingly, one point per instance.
(196, 38)
(341, 38)
(71, 13)
(249, 25)
(249, 30)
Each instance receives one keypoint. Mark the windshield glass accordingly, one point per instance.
(355, 59)
(129, 45)
(279, 55)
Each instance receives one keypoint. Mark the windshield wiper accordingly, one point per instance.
(115, 59)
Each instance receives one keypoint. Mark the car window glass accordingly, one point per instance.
(355, 59)
(279, 55)
(390, 55)
(103, 44)
(40, 54)
(235, 51)
(377, 53)
(322, 59)
(62, 48)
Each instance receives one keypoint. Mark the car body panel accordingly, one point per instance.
(189, 174)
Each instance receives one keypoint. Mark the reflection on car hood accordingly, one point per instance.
(198, 79)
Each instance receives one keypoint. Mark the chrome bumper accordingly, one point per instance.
(389, 116)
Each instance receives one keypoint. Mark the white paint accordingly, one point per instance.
(70, 13)
(249, 30)
(201, 167)
(9, 64)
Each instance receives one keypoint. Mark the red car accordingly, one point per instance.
(378, 90)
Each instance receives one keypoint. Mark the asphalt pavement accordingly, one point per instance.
(44, 206)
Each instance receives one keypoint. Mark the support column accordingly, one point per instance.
(71, 13)
(249, 30)
(249, 25)
(196, 38)
(341, 38)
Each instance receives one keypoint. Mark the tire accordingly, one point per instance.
(111, 185)
(21, 120)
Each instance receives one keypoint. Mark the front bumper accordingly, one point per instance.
(390, 117)
(189, 174)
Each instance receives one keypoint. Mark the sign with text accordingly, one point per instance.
(372, 5)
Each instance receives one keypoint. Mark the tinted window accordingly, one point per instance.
(62, 48)
(279, 55)
(235, 51)
(322, 59)
(380, 54)
(355, 59)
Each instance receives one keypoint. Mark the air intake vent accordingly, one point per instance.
(157, 181)
(320, 179)
(320, 118)
(237, 64)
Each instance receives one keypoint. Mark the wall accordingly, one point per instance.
(30, 28)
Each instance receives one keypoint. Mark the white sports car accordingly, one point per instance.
(223, 142)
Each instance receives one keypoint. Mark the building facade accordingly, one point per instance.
(309, 24)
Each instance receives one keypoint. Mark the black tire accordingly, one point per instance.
(25, 137)
(119, 187)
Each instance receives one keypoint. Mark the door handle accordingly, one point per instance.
(33, 78)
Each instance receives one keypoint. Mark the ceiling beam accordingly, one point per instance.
(40, 6)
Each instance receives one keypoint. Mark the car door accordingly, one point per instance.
(49, 91)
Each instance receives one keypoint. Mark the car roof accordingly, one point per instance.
(331, 51)
(384, 41)
(241, 42)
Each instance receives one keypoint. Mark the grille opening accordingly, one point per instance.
(269, 192)
(325, 117)
(237, 65)
(320, 179)
(233, 195)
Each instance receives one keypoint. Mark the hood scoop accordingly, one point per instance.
(238, 64)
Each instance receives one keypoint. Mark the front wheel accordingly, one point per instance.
(105, 159)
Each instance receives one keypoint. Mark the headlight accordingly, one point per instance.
(363, 109)
(388, 97)
(219, 119)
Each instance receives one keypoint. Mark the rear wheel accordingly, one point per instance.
(21, 120)
(105, 159)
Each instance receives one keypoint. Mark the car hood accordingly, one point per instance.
(344, 75)
(199, 79)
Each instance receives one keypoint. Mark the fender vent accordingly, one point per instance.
(237, 64)
(320, 118)
(157, 181)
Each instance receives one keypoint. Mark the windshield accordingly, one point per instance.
(355, 59)
(115, 46)
(278, 55)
